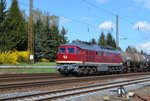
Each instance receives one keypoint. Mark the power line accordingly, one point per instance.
(76, 9)
(123, 6)
(102, 9)
(85, 23)
(73, 19)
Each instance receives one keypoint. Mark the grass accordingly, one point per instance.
(35, 64)
(27, 70)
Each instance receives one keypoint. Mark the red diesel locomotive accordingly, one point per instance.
(82, 59)
(79, 58)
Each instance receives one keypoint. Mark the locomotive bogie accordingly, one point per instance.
(67, 68)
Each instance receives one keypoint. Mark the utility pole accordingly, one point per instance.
(117, 32)
(30, 33)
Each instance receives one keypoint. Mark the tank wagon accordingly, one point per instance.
(79, 58)
(135, 62)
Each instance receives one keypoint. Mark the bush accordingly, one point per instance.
(13, 57)
(44, 60)
(23, 56)
(8, 57)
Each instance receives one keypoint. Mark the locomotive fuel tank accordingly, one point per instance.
(133, 58)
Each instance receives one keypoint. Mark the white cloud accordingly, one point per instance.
(145, 47)
(107, 25)
(64, 20)
(145, 3)
(142, 25)
(103, 1)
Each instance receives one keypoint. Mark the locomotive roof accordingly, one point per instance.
(88, 46)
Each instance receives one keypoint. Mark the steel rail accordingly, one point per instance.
(26, 75)
(29, 78)
(50, 82)
(76, 91)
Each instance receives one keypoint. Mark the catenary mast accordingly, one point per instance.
(30, 33)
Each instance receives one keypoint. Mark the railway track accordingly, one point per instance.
(28, 78)
(53, 95)
(65, 80)
(26, 75)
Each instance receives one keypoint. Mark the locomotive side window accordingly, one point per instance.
(78, 51)
(70, 50)
(107, 54)
(100, 53)
(62, 50)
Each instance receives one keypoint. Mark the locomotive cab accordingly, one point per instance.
(68, 58)
(68, 54)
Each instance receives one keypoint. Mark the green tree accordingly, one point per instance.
(3, 15)
(49, 49)
(40, 39)
(102, 40)
(131, 49)
(93, 41)
(17, 28)
(109, 39)
(142, 52)
(114, 43)
(55, 41)
(63, 38)
(47, 35)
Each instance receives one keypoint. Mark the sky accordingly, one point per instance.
(86, 19)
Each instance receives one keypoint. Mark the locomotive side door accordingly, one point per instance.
(83, 56)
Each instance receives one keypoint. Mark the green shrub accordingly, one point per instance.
(44, 60)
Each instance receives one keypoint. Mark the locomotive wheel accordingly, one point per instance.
(128, 70)
(124, 69)
(89, 71)
(94, 70)
(81, 71)
(121, 70)
(144, 69)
